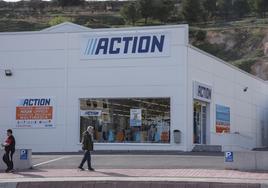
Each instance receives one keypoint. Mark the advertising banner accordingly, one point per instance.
(135, 117)
(222, 119)
(35, 113)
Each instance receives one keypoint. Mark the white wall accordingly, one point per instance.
(248, 109)
(38, 65)
(49, 65)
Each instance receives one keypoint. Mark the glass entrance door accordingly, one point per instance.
(199, 122)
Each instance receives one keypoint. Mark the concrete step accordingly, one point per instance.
(207, 148)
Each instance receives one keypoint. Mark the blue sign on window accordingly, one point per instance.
(23, 154)
(229, 156)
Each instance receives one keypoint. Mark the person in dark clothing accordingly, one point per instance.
(9, 151)
(87, 146)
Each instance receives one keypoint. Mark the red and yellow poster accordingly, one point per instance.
(34, 113)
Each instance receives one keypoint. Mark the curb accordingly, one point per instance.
(128, 183)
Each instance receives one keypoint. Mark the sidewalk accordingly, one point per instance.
(136, 174)
(133, 171)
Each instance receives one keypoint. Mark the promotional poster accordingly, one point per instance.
(222, 119)
(35, 113)
(135, 117)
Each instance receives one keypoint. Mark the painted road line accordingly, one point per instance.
(50, 161)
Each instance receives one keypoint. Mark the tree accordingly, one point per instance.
(59, 19)
(209, 9)
(163, 9)
(191, 10)
(131, 12)
(146, 9)
(37, 5)
(251, 4)
(261, 7)
(241, 8)
(225, 8)
(3, 4)
(65, 3)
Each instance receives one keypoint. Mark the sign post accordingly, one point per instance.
(229, 156)
(23, 154)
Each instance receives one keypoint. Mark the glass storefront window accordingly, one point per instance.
(128, 120)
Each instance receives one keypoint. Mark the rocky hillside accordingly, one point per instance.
(245, 46)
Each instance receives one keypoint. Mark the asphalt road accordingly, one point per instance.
(129, 161)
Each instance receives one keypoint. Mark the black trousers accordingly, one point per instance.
(8, 159)
(87, 157)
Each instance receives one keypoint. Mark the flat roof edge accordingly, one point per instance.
(43, 31)
(226, 63)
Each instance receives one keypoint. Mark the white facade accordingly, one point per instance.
(52, 64)
(248, 108)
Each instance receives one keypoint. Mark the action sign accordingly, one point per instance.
(229, 156)
(23, 154)
(125, 45)
(35, 113)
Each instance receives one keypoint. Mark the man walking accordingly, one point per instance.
(87, 146)
(9, 151)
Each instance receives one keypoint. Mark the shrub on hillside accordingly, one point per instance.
(59, 19)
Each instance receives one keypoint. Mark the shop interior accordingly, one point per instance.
(127, 120)
(199, 122)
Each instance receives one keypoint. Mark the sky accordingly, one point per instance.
(16, 0)
(49, 0)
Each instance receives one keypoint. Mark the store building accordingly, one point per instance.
(137, 86)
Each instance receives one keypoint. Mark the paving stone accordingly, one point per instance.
(107, 184)
(122, 184)
(121, 174)
(188, 173)
(233, 185)
(90, 184)
(254, 185)
(140, 184)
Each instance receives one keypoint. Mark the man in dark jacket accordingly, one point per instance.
(9, 151)
(87, 146)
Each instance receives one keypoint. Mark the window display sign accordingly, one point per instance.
(135, 117)
(202, 92)
(222, 119)
(90, 113)
(35, 113)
